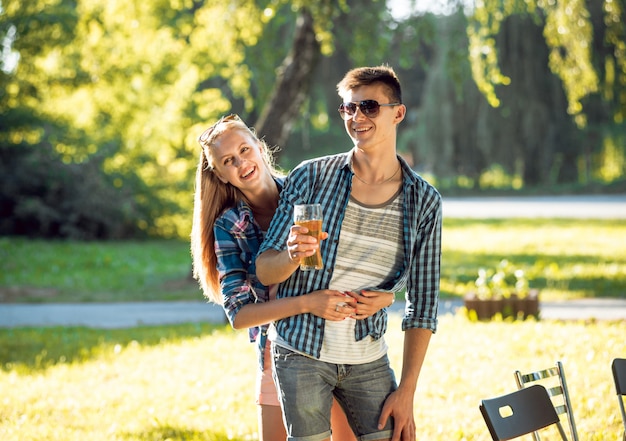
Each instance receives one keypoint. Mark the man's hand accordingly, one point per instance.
(300, 244)
(399, 406)
(277, 266)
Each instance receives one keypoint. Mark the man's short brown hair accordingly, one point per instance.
(364, 76)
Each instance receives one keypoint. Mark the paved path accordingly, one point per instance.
(584, 207)
(125, 315)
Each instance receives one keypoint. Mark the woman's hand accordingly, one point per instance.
(369, 303)
(330, 304)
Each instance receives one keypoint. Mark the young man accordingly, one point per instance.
(383, 223)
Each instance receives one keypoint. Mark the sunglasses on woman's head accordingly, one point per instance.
(204, 137)
(369, 108)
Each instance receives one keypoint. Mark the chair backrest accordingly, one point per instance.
(619, 375)
(553, 379)
(519, 413)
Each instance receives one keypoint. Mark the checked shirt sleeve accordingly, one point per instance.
(237, 240)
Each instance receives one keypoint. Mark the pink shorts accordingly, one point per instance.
(265, 388)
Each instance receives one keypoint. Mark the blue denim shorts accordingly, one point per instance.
(306, 387)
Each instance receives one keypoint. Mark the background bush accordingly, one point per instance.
(42, 196)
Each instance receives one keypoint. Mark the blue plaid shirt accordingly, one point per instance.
(328, 181)
(237, 241)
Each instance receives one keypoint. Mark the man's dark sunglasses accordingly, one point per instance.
(369, 108)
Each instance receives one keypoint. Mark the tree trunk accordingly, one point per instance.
(292, 84)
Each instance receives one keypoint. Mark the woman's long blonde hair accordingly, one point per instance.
(211, 198)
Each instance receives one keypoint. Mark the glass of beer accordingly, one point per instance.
(310, 216)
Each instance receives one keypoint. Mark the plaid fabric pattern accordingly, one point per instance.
(237, 241)
(328, 181)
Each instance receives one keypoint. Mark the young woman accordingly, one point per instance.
(237, 191)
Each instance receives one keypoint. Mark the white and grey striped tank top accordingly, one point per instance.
(369, 254)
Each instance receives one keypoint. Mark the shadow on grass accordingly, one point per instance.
(37, 348)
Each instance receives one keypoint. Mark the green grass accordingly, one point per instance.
(564, 258)
(57, 271)
(186, 383)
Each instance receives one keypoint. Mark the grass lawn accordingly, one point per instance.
(187, 383)
(564, 258)
(36, 271)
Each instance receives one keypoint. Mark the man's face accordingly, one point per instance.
(369, 132)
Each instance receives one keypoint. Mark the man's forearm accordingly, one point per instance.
(274, 267)
(399, 404)
(415, 345)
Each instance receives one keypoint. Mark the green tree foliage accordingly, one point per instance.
(134, 77)
(51, 182)
(586, 51)
(143, 79)
(568, 31)
(61, 200)
(107, 98)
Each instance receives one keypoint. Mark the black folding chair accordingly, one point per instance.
(519, 413)
(553, 379)
(619, 375)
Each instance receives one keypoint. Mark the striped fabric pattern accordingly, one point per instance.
(370, 254)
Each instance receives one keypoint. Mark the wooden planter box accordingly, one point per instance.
(515, 307)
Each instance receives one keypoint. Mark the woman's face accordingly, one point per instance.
(237, 158)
